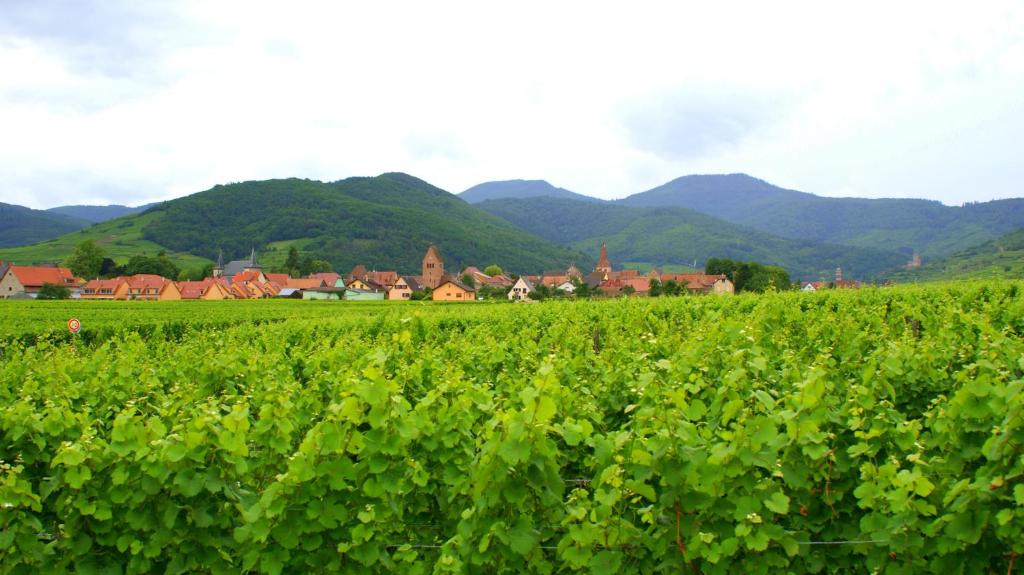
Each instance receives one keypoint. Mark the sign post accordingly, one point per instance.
(74, 326)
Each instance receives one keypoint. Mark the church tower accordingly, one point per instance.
(218, 270)
(433, 267)
(603, 265)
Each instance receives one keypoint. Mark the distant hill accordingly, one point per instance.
(1002, 258)
(22, 226)
(97, 214)
(519, 189)
(385, 222)
(904, 225)
(679, 236)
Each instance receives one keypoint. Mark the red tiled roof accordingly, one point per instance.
(329, 277)
(387, 278)
(248, 276)
(97, 284)
(306, 283)
(35, 277)
(280, 279)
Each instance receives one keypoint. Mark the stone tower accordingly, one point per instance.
(218, 270)
(433, 267)
(603, 265)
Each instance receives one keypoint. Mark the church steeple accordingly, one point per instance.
(218, 270)
(603, 265)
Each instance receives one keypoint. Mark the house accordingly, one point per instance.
(325, 293)
(330, 278)
(702, 283)
(305, 283)
(151, 287)
(413, 283)
(385, 279)
(840, 283)
(249, 276)
(207, 289)
(28, 280)
(279, 279)
(567, 287)
(363, 295)
(432, 268)
(400, 290)
(520, 290)
(116, 288)
(453, 290)
(357, 283)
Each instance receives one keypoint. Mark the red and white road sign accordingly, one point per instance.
(74, 325)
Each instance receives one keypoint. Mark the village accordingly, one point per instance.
(245, 279)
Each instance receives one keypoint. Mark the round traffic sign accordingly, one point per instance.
(74, 325)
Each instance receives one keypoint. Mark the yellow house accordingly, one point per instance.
(400, 291)
(452, 290)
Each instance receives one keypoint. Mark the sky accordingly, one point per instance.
(130, 102)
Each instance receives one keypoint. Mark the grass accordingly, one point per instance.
(120, 239)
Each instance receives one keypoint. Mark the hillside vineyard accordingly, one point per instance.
(846, 431)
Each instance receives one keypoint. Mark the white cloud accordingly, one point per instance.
(865, 99)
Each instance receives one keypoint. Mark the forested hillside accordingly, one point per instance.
(906, 225)
(680, 236)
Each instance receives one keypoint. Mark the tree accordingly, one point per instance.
(311, 266)
(110, 269)
(654, 289)
(53, 291)
(493, 270)
(671, 288)
(292, 262)
(87, 260)
(160, 265)
(469, 280)
(627, 290)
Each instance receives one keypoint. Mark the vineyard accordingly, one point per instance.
(876, 430)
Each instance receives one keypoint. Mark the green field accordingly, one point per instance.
(843, 431)
(120, 239)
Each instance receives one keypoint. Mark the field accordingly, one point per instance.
(120, 239)
(875, 430)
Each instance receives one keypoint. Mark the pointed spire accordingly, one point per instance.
(220, 258)
(603, 265)
(252, 256)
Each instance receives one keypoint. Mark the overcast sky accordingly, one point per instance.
(131, 102)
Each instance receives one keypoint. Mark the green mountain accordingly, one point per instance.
(22, 226)
(905, 225)
(384, 222)
(97, 214)
(519, 189)
(1001, 258)
(678, 236)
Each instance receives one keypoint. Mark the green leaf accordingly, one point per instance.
(606, 563)
(778, 502)
(522, 538)
(545, 409)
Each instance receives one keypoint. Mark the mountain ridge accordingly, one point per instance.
(386, 221)
(519, 189)
(659, 236)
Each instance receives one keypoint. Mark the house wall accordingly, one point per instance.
(366, 296)
(319, 295)
(9, 285)
(451, 292)
(170, 293)
(400, 293)
(723, 286)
